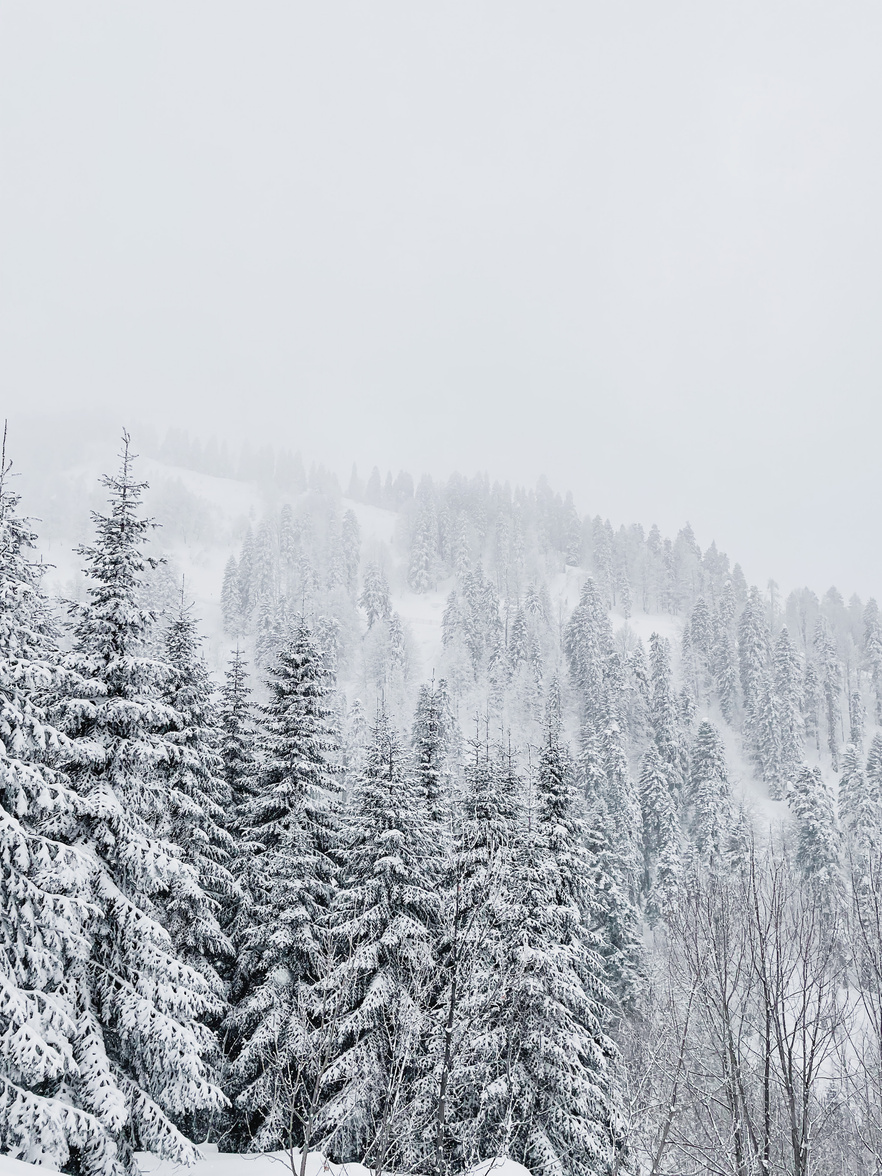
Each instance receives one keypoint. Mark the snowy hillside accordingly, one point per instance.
(423, 823)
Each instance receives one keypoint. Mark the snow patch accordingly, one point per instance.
(215, 1163)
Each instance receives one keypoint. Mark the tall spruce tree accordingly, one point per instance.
(46, 1113)
(430, 738)
(292, 826)
(710, 795)
(382, 929)
(238, 750)
(139, 1008)
(198, 807)
(818, 837)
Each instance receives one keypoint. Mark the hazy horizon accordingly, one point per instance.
(635, 249)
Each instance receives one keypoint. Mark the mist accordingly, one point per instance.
(634, 248)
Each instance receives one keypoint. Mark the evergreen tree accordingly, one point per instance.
(237, 732)
(818, 841)
(710, 795)
(375, 599)
(860, 802)
(660, 830)
(753, 655)
(477, 901)
(351, 541)
(198, 806)
(230, 603)
(539, 1048)
(245, 578)
(724, 666)
(830, 675)
(292, 824)
(622, 807)
(430, 739)
(873, 652)
(588, 645)
(663, 713)
(382, 924)
(44, 924)
(141, 1041)
(787, 678)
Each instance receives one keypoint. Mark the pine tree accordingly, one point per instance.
(623, 810)
(830, 674)
(237, 732)
(198, 807)
(753, 655)
(787, 671)
(710, 795)
(724, 666)
(856, 717)
(382, 919)
(351, 541)
(588, 645)
(663, 713)
(873, 651)
(292, 825)
(230, 603)
(141, 1041)
(539, 1050)
(860, 802)
(44, 923)
(375, 599)
(477, 899)
(430, 739)
(245, 578)
(818, 840)
(660, 830)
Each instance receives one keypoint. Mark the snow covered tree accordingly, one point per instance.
(856, 719)
(830, 675)
(660, 829)
(375, 599)
(787, 679)
(141, 1043)
(423, 552)
(818, 839)
(710, 795)
(198, 806)
(245, 578)
(351, 543)
(382, 921)
(873, 651)
(588, 645)
(237, 732)
(860, 802)
(44, 915)
(430, 739)
(622, 807)
(724, 666)
(537, 1055)
(753, 656)
(230, 603)
(663, 713)
(292, 825)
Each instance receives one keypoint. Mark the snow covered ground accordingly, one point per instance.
(217, 1163)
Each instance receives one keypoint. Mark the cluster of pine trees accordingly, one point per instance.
(522, 910)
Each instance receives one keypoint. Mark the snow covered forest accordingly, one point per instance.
(419, 823)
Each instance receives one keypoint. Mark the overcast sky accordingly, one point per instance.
(635, 246)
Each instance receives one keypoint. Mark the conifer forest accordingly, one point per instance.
(419, 824)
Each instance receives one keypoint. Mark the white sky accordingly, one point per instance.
(635, 246)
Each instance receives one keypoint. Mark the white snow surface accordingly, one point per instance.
(215, 1163)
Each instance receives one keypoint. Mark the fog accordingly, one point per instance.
(636, 247)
